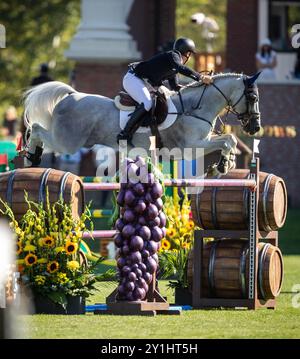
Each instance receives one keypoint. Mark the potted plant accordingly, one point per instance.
(173, 266)
(50, 259)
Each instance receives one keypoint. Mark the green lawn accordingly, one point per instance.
(284, 322)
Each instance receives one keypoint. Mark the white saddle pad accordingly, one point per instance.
(171, 118)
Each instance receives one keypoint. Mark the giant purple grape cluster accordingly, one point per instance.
(141, 227)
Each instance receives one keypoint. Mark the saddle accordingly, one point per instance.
(156, 116)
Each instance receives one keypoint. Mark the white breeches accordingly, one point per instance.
(138, 90)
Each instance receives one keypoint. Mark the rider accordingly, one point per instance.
(164, 66)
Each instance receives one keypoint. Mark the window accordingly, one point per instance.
(282, 16)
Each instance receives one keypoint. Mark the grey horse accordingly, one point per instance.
(65, 120)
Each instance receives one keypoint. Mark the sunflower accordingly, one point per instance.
(30, 259)
(19, 248)
(52, 267)
(165, 244)
(185, 245)
(73, 265)
(171, 232)
(48, 241)
(190, 224)
(71, 247)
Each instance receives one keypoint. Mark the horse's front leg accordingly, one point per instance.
(38, 137)
(227, 145)
(228, 151)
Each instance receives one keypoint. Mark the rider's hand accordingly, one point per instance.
(206, 79)
(179, 87)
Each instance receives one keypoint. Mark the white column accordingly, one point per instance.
(263, 20)
(102, 35)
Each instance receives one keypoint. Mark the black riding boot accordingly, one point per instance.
(133, 124)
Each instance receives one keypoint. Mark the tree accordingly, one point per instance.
(36, 32)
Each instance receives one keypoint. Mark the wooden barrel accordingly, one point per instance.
(227, 207)
(35, 181)
(225, 269)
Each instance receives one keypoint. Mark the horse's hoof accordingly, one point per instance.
(32, 160)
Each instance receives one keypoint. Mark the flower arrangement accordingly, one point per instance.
(175, 247)
(180, 226)
(48, 251)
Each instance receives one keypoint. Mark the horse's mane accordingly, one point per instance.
(221, 75)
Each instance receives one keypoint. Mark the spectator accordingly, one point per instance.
(10, 122)
(43, 77)
(266, 60)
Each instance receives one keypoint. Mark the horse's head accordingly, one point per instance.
(246, 105)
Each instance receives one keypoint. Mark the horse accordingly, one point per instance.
(66, 120)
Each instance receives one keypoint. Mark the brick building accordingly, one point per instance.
(248, 22)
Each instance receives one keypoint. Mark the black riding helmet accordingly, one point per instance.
(184, 45)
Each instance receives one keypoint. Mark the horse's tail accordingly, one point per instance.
(41, 100)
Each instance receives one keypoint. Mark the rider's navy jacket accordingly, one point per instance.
(163, 67)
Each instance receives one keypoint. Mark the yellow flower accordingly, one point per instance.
(73, 265)
(52, 267)
(30, 259)
(171, 232)
(29, 248)
(190, 224)
(48, 241)
(177, 242)
(40, 280)
(185, 245)
(71, 247)
(78, 234)
(18, 230)
(19, 247)
(165, 244)
(20, 261)
(182, 230)
(62, 278)
(29, 236)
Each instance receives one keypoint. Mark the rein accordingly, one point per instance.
(230, 108)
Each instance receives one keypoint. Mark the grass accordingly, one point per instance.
(284, 322)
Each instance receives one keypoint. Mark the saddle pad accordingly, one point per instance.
(171, 118)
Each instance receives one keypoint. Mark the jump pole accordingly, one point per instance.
(115, 186)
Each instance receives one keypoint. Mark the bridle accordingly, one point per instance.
(250, 92)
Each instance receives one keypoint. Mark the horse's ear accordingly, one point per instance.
(251, 79)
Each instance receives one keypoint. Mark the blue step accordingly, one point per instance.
(102, 306)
